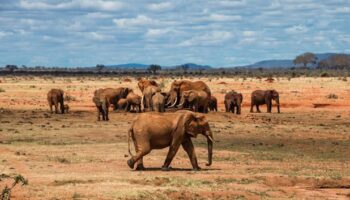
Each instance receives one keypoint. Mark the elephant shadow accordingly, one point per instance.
(151, 169)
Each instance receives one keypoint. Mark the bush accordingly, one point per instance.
(324, 74)
(69, 98)
(332, 96)
(2, 90)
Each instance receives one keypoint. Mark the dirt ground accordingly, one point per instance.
(302, 153)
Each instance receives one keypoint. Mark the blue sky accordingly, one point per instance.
(215, 32)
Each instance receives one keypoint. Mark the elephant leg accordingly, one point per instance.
(98, 113)
(174, 147)
(50, 105)
(189, 148)
(233, 109)
(251, 107)
(106, 112)
(56, 107)
(238, 110)
(139, 154)
(257, 108)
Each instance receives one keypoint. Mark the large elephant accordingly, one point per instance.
(144, 83)
(261, 97)
(197, 100)
(157, 131)
(122, 104)
(148, 92)
(233, 100)
(103, 98)
(213, 104)
(178, 87)
(134, 102)
(55, 97)
(158, 102)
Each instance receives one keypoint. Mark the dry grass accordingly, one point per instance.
(299, 154)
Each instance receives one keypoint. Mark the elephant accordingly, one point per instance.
(148, 92)
(213, 104)
(195, 99)
(66, 108)
(134, 101)
(102, 104)
(260, 97)
(157, 131)
(144, 83)
(158, 101)
(122, 104)
(103, 98)
(178, 87)
(233, 100)
(55, 97)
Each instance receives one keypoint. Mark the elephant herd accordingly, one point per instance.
(152, 130)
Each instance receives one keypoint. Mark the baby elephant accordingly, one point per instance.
(134, 102)
(157, 131)
(122, 104)
(66, 108)
(55, 97)
(158, 102)
(213, 104)
(261, 97)
(233, 100)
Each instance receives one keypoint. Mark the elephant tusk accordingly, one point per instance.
(173, 103)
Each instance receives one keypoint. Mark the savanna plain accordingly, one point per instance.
(301, 153)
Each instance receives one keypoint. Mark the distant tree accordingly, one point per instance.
(100, 67)
(184, 68)
(339, 61)
(323, 64)
(11, 68)
(305, 59)
(154, 68)
(201, 69)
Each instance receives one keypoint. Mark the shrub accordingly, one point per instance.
(69, 98)
(2, 90)
(324, 74)
(332, 96)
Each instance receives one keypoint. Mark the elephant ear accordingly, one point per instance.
(192, 96)
(194, 124)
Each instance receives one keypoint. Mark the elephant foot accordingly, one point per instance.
(196, 168)
(166, 168)
(140, 167)
(131, 163)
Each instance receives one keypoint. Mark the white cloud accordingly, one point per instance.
(74, 4)
(296, 29)
(99, 37)
(212, 38)
(98, 15)
(233, 3)
(222, 18)
(4, 34)
(249, 33)
(160, 6)
(138, 21)
(151, 33)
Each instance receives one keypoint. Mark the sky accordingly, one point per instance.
(220, 33)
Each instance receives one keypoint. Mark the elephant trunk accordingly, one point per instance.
(210, 147)
(278, 104)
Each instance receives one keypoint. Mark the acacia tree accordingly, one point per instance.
(340, 61)
(305, 59)
(100, 67)
(184, 68)
(154, 68)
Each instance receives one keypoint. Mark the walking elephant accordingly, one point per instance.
(178, 87)
(157, 131)
(213, 104)
(261, 97)
(158, 101)
(55, 97)
(196, 100)
(133, 102)
(233, 101)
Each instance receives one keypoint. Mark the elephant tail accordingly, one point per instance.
(130, 132)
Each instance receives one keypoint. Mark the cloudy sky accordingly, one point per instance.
(215, 32)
